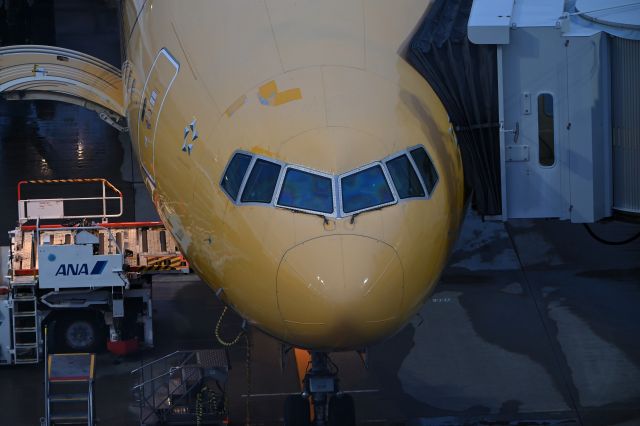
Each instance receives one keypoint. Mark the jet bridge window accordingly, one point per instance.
(425, 167)
(546, 137)
(234, 175)
(404, 177)
(365, 189)
(261, 182)
(307, 191)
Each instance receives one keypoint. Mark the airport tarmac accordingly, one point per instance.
(532, 323)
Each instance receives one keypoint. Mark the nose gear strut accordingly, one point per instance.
(330, 407)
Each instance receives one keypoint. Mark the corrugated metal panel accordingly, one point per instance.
(625, 118)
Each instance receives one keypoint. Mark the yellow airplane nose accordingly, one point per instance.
(340, 291)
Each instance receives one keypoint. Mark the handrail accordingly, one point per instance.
(186, 392)
(157, 361)
(167, 382)
(171, 369)
(90, 404)
(147, 398)
(105, 225)
(39, 230)
(47, 411)
(73, 199)
(58, 207)
(80, 180)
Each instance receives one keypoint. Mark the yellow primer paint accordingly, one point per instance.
(268, 94)
(268, 90)
(263, 151)
(236, 105)
(287, 96)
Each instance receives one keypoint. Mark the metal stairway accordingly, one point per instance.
(185, 387)
(26, 327)
(69, 390)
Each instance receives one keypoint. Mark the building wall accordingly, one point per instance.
(48, 140)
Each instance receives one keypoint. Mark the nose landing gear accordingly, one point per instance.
(330, 407)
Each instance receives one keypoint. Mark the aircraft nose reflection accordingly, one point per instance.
(341, 290)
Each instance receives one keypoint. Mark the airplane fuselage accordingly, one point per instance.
(315, 92)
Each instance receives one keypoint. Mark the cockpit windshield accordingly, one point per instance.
(307, 191)
(234, 175)
(261, 182)
(409, 174)
(365, 189)
(404, 177)
(425, 167)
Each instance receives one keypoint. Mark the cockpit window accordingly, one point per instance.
(425, 167)
(234, 175)
(307, 191)
(404, 177)
(365, 189)
(261, 182)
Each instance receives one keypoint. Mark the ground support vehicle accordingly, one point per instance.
(89, 283)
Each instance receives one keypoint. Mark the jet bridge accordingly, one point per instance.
(32, 72)
(545, 100)
(568, 100)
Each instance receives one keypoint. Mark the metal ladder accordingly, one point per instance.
(185, 387)
(69, 395)
(26, 328)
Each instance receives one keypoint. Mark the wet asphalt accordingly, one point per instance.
(532, 323)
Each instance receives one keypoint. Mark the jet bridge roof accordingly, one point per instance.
(491, 20)
(616, 13)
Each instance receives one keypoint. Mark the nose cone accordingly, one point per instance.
(340, 292)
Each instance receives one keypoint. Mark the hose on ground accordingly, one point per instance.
(610, 243)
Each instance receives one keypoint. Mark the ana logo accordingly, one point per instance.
(81, 269)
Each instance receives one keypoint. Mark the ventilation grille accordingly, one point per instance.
(625, 99)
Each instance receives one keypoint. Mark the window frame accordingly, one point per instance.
(387, 177)
(336, 182)
(552, 117)
(280, 185)
(424, 185)
(406, 152)
(255, 158)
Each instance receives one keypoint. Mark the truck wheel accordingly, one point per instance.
(79, 332)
